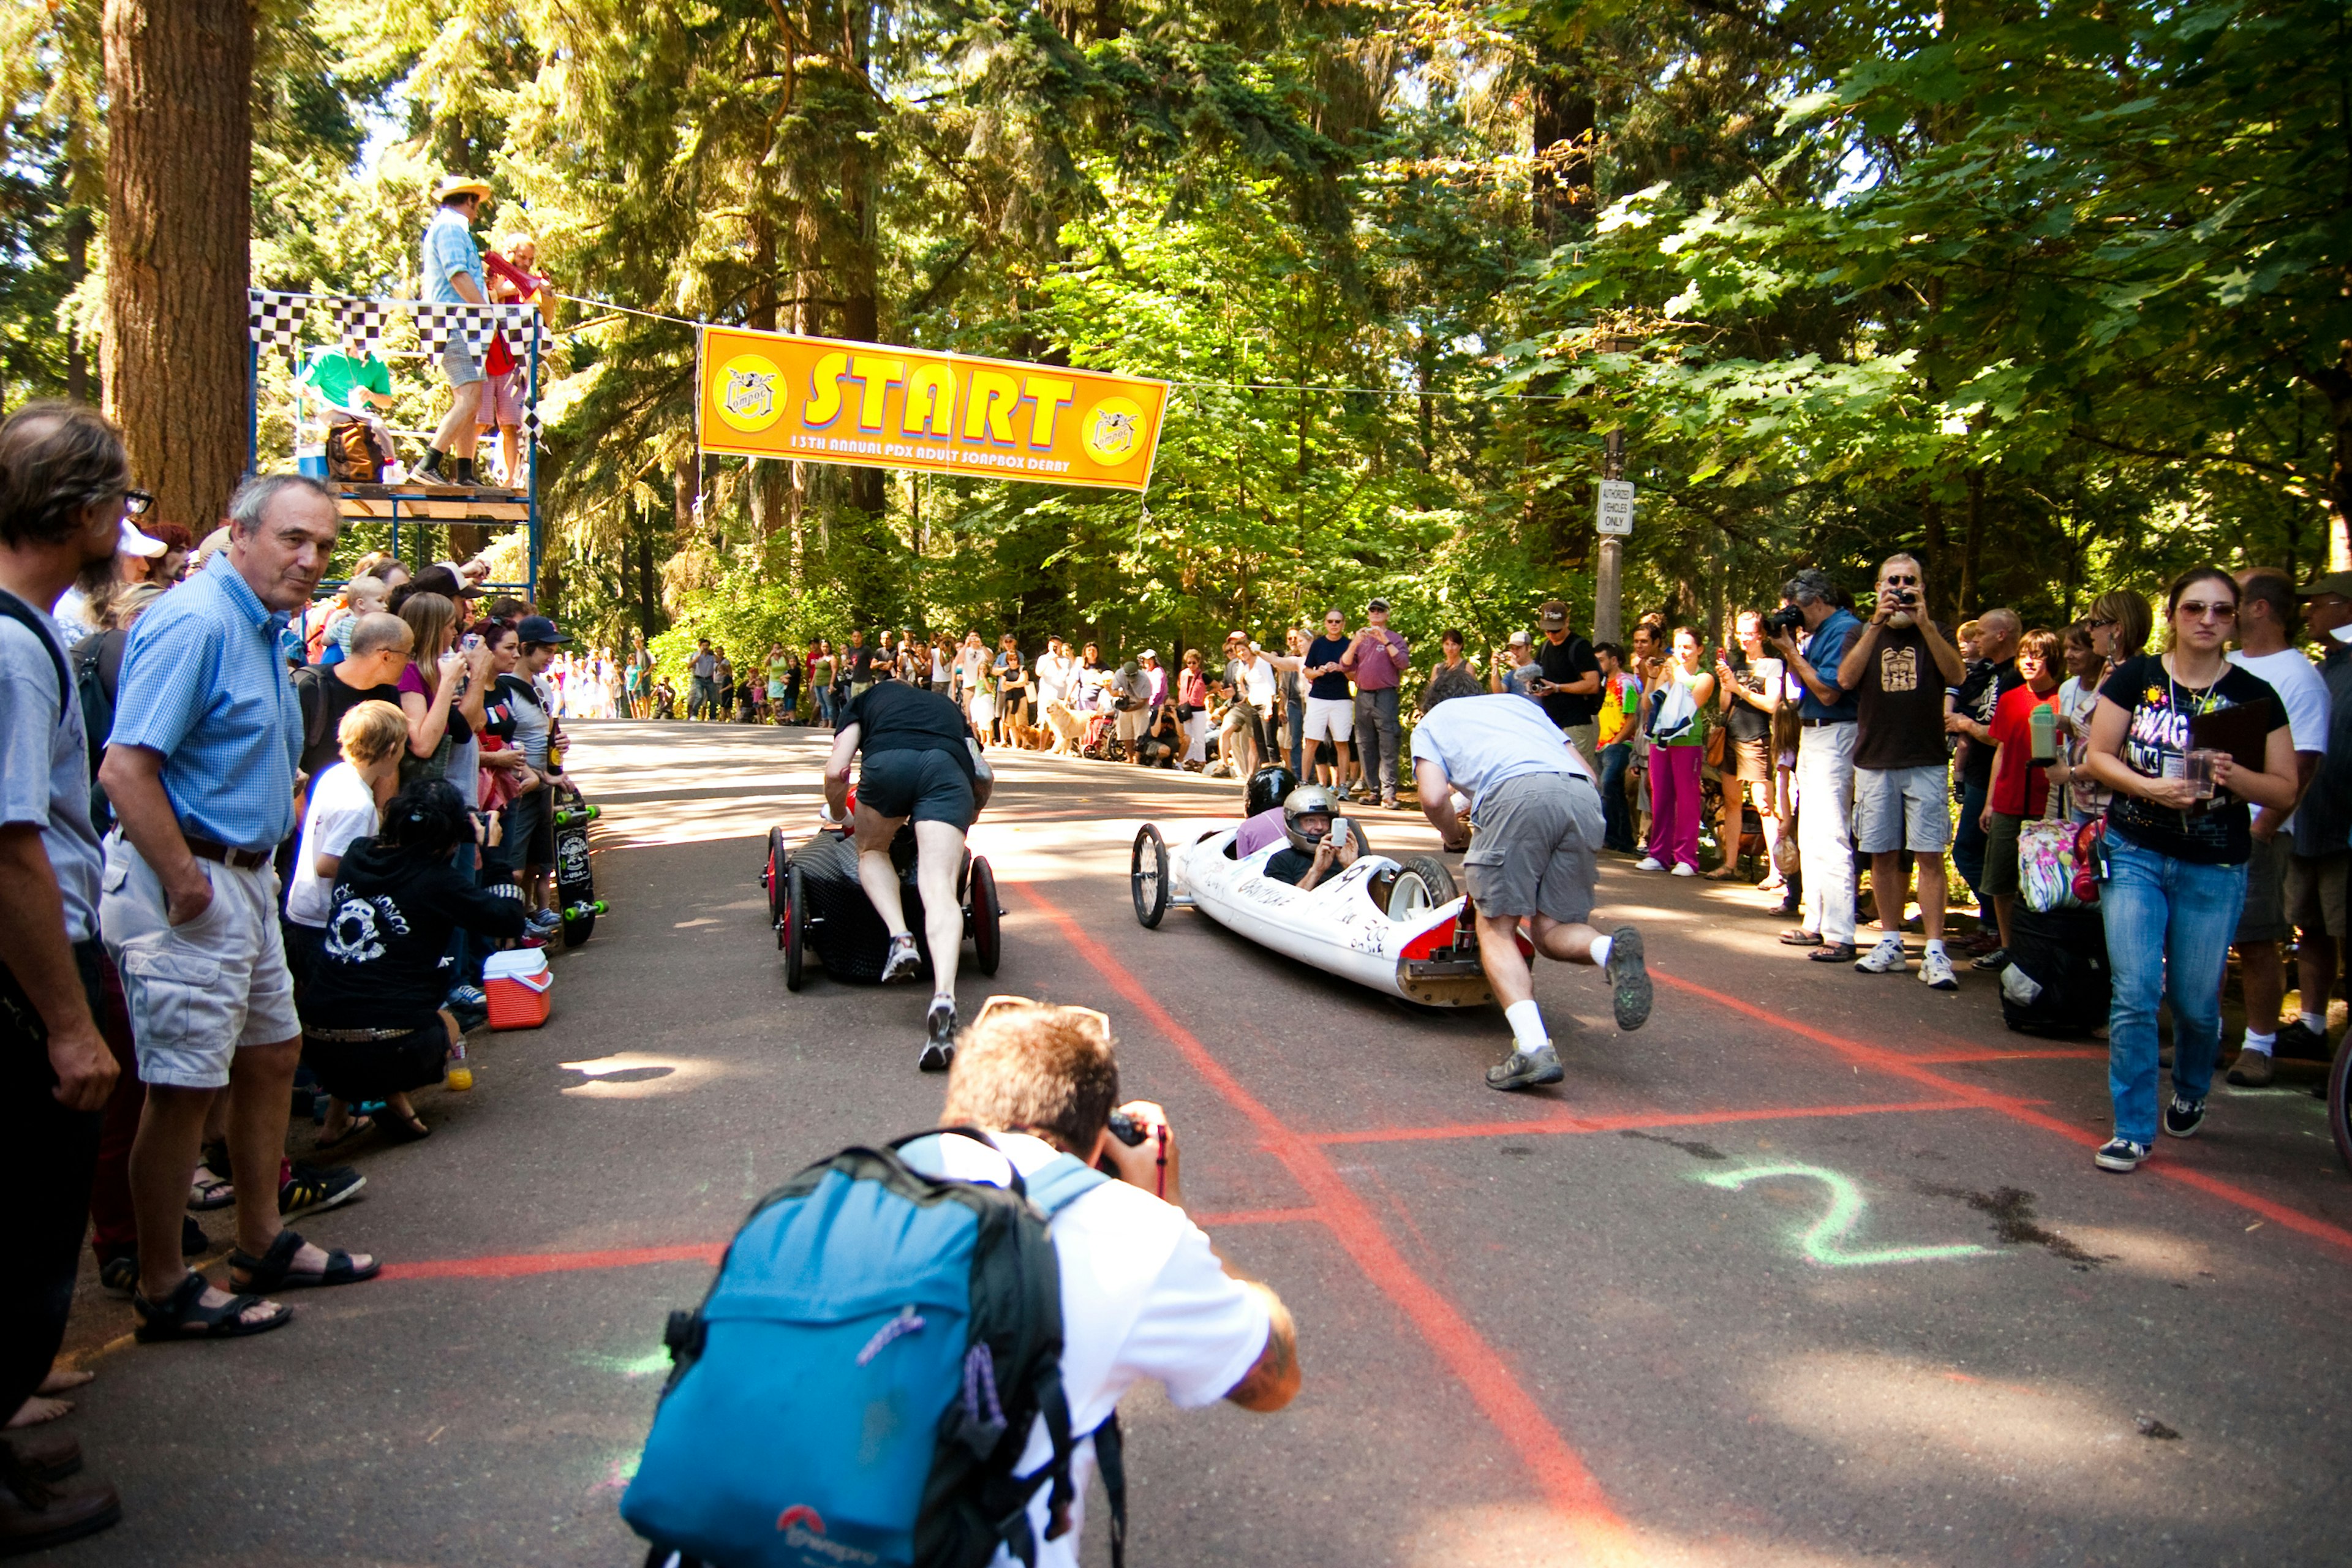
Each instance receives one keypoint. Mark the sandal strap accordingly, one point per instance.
(269, 1271)
(175, 1307)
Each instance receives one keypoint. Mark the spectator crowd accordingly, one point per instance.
(256, 847)
(259, 843)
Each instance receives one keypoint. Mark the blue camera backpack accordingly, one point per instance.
(858, 1385)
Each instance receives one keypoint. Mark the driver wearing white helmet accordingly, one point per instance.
(1320, 838)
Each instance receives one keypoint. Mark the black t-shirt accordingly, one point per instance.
(389, 922)
(1289, 865)
(1981, 692)
(1564, 663)
(1740, 721)
(2155, 744)
(861, 664)
(1327, 650)
(337, 698)
(1899, 706)
(892, 715)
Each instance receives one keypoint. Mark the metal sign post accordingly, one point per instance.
(1613, 521)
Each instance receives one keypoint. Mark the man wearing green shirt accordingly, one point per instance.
(353, 387)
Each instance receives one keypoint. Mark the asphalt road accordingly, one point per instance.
(1813, 1270)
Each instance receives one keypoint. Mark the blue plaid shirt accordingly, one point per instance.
(203, 684)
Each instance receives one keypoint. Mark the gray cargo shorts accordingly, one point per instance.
(1535, 847)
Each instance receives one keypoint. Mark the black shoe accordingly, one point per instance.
(2183, 1117)
(194, 1242)
(1629, 979)
(940, 1025)
(429, 471)
(2298, 1041)
(1997, 959)
(1526, 1069)
(309, 1189)
(465, 475)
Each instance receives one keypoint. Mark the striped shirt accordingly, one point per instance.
(204, 686)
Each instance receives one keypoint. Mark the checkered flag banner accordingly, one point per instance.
(274, 321)
(359, 323)
(437, 324)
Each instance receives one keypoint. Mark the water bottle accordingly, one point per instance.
(2043, 722)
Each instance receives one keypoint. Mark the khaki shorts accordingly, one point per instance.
(198, 993)
(1535, 852)
(2315, 886)
(2263, 918)
(2001, 868)
(1330, 718)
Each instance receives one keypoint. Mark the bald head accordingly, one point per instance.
(1997, 631)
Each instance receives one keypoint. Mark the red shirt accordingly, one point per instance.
(2020, 787)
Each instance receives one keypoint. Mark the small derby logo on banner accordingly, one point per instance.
(748, 402)
(1114, 431)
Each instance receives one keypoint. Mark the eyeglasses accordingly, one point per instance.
(136, 502)
(2098, 623)
(2196, 612)
(1009, 1004)
(1335, 620)
(1900, 580)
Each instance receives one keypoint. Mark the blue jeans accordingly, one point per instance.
(824, 704)
(1969, 840)
(1615, 809)
(2168, 928)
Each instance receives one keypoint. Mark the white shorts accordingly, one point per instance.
(201, 992)
(1330, 718)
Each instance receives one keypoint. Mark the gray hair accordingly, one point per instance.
(253, 497)
(1812, 582)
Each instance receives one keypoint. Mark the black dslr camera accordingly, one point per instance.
(1786, 621)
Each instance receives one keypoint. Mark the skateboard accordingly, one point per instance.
(575, 871)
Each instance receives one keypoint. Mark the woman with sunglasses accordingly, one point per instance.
(2175, 848)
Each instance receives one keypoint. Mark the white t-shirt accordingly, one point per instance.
(1054, 677)
(1142, 1299)
(1482, 742)
(1261, 681)
(342, 807)
(2302, 691)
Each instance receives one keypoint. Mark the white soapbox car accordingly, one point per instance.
(1398, 926)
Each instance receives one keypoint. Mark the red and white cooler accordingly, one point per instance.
(519, 985)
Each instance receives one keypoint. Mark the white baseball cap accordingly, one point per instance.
(1148, 653)
(131, 542)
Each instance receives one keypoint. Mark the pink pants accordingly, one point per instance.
(1674, 802)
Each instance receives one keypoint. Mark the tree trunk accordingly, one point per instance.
(1972, 551)
(179, 191)
(78, 238)
(648, 595)
(687, 476)
(1565, 118)
(1941, 607)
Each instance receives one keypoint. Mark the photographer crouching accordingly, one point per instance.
(1144, 1295)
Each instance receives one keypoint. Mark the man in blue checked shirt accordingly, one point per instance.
(450, 264)
(201, 771)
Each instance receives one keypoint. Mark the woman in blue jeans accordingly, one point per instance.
(2176, 852)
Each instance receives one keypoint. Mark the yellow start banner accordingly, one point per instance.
(826, 400)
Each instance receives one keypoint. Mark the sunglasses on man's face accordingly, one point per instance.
(136, 502)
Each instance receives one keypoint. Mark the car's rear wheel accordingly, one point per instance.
(987, 919)
(772, 880)
(1422, 884)
(794, 928)
(1147, 875)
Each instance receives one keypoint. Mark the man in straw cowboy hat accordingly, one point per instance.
(451, 268)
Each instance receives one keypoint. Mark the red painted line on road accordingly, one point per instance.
(1561, 1125)
(1573, 1492)
(1259, 1217)
(515, 1264)
(2053, 1054)
(2016, 1109)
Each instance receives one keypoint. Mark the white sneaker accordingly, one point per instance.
(1649, 863)
(1886, 958)
(1936, 971)
(1684, 869)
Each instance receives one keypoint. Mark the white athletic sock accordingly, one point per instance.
(1527, 1025)
(2316, 1022)
(1935, 944)
(2262, 1043)
(1601, 946)
(939, 997)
